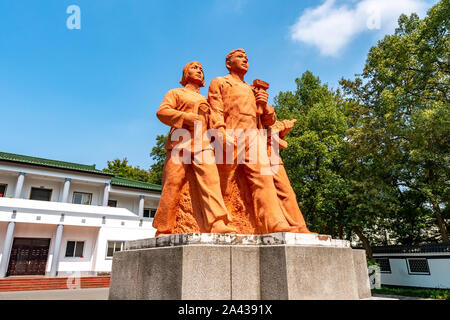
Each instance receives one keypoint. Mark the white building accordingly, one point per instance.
(60, 218)
(425, 266)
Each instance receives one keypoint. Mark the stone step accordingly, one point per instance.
(8, 285)
(49, 288)
(48, 284)
(29, 284)
(51, 281)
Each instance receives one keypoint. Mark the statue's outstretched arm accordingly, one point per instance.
(269, 116)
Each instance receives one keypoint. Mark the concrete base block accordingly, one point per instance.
(125, 275)
(360, 262)
(245, 273)
(213, 271)
(206, 273)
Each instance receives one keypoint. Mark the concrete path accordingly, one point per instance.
(102, 294)
(393, 297)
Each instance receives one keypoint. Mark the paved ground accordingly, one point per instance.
(102, 294)
(76, 294)
(392, 297)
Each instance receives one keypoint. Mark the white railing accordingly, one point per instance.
(23, 205)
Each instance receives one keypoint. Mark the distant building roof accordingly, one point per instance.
(426, 248)
(17, 158)
(122, 182)
(118, 181)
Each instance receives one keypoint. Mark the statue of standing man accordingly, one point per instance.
(239, 109)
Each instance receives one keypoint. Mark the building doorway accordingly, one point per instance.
(28, 257)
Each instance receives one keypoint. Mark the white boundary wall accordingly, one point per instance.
(438, 263)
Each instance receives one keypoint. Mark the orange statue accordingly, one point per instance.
(253, 196)
(238, 108)
(285, 193)
(182, 108)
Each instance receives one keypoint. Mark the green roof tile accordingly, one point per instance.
(50, 163)
(118, 181)
(122, 182)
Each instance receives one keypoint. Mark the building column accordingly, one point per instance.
(56, 250)
(141, 206)
(19, 185)
(7, 245)
(65, 193)
(106, 195)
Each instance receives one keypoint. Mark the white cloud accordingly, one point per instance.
(331, 27)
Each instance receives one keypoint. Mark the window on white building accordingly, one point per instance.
(149, 213)
(112, 203)
(418, 266)
(82, 198)
(41, 194)
(74, 249)
(114, 246)
(3, 190)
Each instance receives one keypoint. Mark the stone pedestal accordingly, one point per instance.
(281, 266)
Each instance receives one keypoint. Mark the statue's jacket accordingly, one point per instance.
(234, 102)
(176, 104)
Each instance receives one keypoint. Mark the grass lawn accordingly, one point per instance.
(442, 294)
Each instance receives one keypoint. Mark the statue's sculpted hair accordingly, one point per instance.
(184, 77)
(230, 55)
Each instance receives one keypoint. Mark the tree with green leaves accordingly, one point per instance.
(158, 155)
(333, 191)
(400, 115)
(121, 168)
(313, 156)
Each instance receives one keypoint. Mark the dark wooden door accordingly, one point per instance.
(28, 257)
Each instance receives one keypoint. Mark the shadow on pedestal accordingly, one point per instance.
(211, 267)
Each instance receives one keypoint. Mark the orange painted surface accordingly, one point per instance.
(180, 109)
(223, 198)
(285, 193)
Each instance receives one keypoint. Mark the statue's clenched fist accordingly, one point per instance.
(262, 97)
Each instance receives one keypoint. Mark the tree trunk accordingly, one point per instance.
(341, 231)
(440, 221)
(434, 200)
(365, 242)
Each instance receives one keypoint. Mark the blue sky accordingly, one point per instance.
(91, 95)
